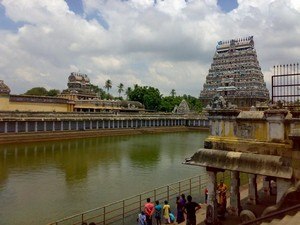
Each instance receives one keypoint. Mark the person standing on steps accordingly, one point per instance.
(149, 210)
(190, 209)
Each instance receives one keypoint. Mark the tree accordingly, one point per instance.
(99, 91)
(168, 103)
(173, 93)
(150, 97)
(53, 92)
(108, 85)
(128, 90)
(39, 91)
(120, 89)
(194, 103)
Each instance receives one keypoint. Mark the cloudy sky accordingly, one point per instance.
(167, 44)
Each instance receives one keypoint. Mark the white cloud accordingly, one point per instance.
(169, 45)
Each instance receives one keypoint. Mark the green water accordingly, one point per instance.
(43, 182)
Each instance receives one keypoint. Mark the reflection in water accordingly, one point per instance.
(41, 182)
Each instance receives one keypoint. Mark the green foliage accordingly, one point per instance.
(120, 89)
(41, 91)
(193, 102)
(168, 103)
(53, 92)
(99, 91)
(108, 85)
(173, 93)
(150, 97)
(128, 90)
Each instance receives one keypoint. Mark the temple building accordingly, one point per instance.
(235, 74)
(86, 100)
(79, 88)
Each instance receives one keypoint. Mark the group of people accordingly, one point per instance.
(184, 206)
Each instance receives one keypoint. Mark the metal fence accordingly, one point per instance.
(286, 86)
(125, 211)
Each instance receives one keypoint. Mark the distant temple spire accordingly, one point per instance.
(235, 74)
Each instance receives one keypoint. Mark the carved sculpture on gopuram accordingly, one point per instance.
(235, 75)
(219, 102)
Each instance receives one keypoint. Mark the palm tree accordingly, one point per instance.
(128, 90)
(173, 93)
(120, 88)
(108, 85)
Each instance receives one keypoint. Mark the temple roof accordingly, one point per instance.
(4, 89)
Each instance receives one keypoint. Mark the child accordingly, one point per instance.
(166, 212)
(172, 218)
(141, 218)
(157, 213)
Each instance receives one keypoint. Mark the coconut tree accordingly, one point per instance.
(127, 92)
(173, 93)
(108, 85)
(120, 89)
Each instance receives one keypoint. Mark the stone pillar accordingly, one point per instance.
(212, 216)
(97, 124)
(35, 126)
(235, 198)
(282, 185)
(108, 125)
(76, 125)
(61, 125)
(5, 127)
(26, 126)
(103, 124)
(252, 195)
(16, 127)
(69, 125)
(275, 120)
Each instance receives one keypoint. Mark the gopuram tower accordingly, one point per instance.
(235, 74)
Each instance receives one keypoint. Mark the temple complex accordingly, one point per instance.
(78, 97)
(235, 74)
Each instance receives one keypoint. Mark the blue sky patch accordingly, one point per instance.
(228, 5)
(75, 6)
(6, 23)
